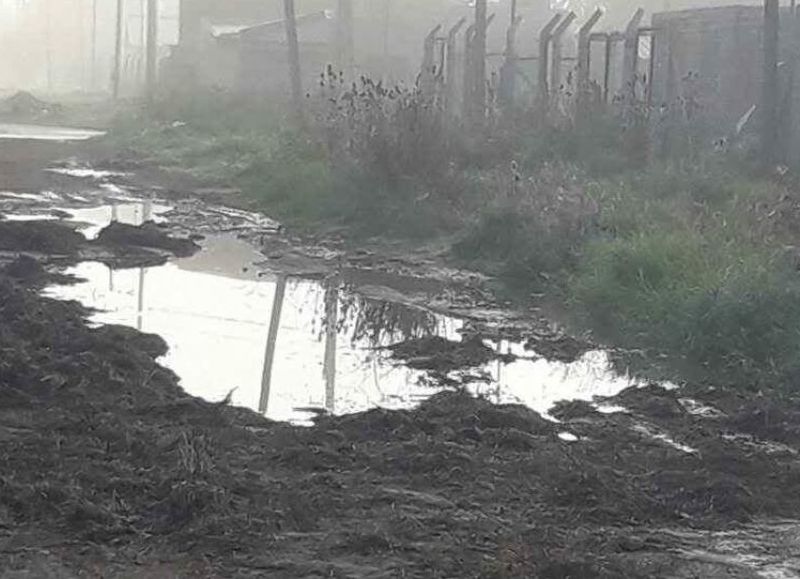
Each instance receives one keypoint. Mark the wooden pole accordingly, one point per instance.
(295, 77)
(116, 75)
(769, 99)
(151, 66)
(272, 340)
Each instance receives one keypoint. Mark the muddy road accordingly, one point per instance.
(188, 390)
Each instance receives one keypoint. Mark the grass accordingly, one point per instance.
(721, 313)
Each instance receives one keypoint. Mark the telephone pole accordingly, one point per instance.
(152, 50)
(116, 76)
(294, 58)
(94, 46)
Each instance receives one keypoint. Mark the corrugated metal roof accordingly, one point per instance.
(222, 30)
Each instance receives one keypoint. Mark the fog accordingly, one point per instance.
(67, 46)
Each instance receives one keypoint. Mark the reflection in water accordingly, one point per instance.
(92, 220)
(384, 322)
(331, 331)
(272, 340)
(210, 308)
(45, 133)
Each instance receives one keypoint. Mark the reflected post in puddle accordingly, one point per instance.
(272, 339)
(331, 331)
(140, 304)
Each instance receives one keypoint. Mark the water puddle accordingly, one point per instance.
(45, 133)
(87, 173)
(287, 346)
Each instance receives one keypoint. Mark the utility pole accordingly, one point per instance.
(152, 50)
(344, 36)
(94, 46)
(272, 341)
(116, 76)
(48, 45)
(770, 122)
(115, 80)
(478, 108)
(294, 58)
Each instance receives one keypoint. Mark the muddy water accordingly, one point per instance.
(215, 311)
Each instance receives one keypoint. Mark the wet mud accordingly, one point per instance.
(110, 469)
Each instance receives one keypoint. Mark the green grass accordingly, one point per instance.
(723, 313)
(688, 263)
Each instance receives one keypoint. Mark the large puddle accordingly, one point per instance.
(285, 346)
(268, 338)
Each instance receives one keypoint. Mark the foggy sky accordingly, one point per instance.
(54, 45)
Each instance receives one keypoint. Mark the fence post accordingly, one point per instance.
(630, 61)
(477, 107)
(468, 84)
(427, 80)
(585, 63)
(769, 100)
(508, 72)
(544, 59)
(295, 77)
(558, 56)
(451, 68)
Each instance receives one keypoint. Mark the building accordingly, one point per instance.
(245, 55)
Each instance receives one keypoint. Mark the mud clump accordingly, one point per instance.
(25, 267)
(441, 355)
(557, 347)
(148, 236)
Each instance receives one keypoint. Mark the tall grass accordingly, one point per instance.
(692, 259)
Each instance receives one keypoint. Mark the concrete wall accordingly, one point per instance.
(711, 60)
